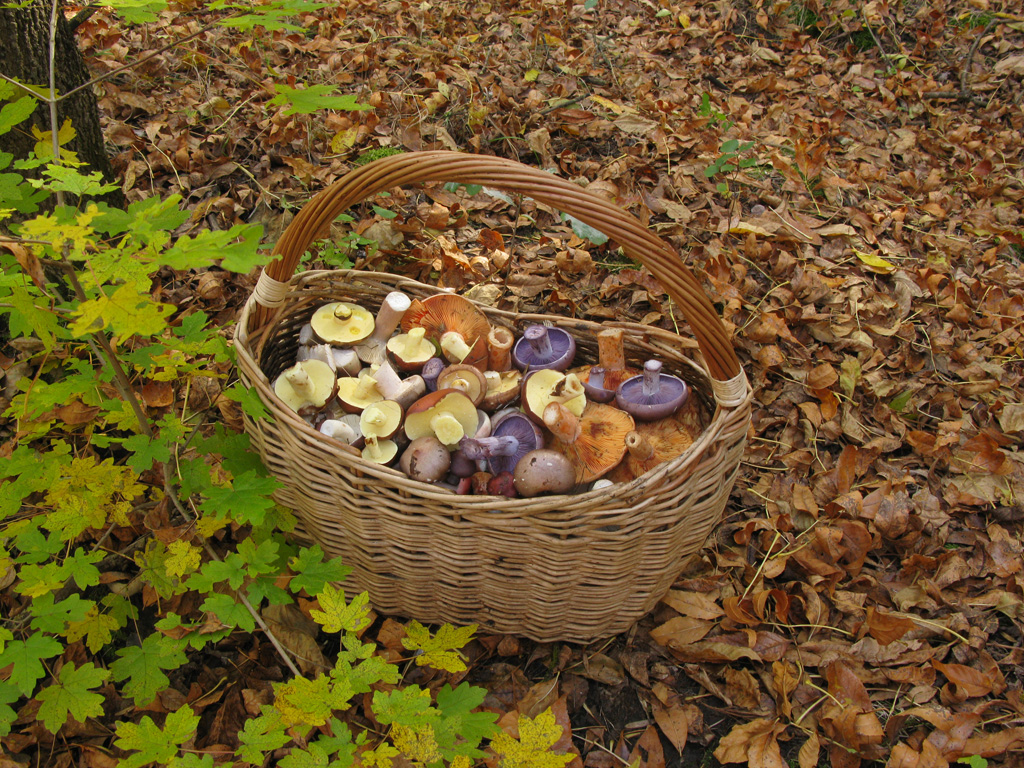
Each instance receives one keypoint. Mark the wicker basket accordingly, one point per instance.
(573, 567)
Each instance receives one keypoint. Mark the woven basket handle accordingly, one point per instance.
(508, 175)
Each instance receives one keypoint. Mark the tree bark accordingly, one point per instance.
(25, 57)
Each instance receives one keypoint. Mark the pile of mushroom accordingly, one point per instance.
(431, 388)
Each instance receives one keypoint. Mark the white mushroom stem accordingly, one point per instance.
(403, 391)
(603, 482)
(373, 448)
(563, 423)
(299, 381)
(447, 428)
(406, 345)
(652, 378)
(639, 447)
(339, 430)
(306, 336)
(454, 346)
(367, 387)
(499, 349)
(390, 315)
(346, 362)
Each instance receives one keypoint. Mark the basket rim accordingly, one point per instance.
(444, 166)
(631, 491)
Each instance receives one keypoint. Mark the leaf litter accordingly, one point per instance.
(863, 601)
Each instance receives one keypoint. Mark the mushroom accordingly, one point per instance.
(409, 351)
(431, 370)
(447, 414)
(654, 442)
(611, 369)
(543, 347)
(380, 451)
(342, 361)
(342, 431)
(652, 395)
(464, 378)
(512, 437)
(479, 482)
(543, 471)
(355, 393)
(381, 420)
(547, 385)
(502, 389)
(403, 391)
(499, 349)
(425, 459)
(502, 484)
(307, 386)
(455, 324)
(341, 323)
(372, 349)
(594, 442)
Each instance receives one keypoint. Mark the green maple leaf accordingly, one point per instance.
(261, 735)
(146, 452)
(229, 612)
(305, 101)
(246, 501)
(71, 696)
(259, 559)
(311, 572)
(533, 747)
(27, 656)
(155, 744)
(16, 112)
(29, 316)
(460, 722)
(8, 695)
(48, 616)
(237, 249)
(337, 615)
(409, 706)
(250, 401)
(231, 569)
(440, 651)
(304, 702)
(142, 666)
(65, 179)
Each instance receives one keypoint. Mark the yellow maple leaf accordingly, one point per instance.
(97, 629)
(381, 757)
(418, 744)
(184, 558)
(337, 614)
(440, 651)
(44, 142)
(533, 747)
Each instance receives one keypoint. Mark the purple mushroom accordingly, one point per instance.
(512, 437)
(543, 347)
(653, 395)
(595, 388)
(431, 370)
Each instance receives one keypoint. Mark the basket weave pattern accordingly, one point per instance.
(572, 567)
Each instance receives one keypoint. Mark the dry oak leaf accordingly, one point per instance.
(755, 743)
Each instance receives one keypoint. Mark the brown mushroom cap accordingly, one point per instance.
(449, 312)
(543, 471)
(341, 323)
(426, 459)
(465, 378)
(594, 442)
(307, 386)
(547, 385)
(447, 414)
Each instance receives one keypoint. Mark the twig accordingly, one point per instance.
(966, 93)
(607, 61)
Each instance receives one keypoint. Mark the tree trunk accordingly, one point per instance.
(25, 56)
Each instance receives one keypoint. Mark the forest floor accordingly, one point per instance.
(846, 177)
